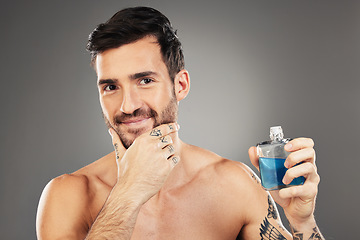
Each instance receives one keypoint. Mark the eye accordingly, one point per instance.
(110, 88)
(146, 81)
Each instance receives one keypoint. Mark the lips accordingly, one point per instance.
(135, 121)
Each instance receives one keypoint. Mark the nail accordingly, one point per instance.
(110, 131)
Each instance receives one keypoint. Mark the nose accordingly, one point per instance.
(130, 101)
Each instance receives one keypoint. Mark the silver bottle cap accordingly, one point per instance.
(276, 132)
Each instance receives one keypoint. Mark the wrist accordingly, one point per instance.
(305, 229)
(131, 191)
(303, 224)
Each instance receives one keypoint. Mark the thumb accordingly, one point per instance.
(117, 143)
(253, 157)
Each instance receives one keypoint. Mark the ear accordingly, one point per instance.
(182, 84)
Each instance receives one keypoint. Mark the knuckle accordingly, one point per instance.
(171, 148)
(293, 191)
(312, 190)
(309, 167)
(311, 142)
(291, 159)
(317, 179)
(171, 126)
(175, 159)
(312, 152)
(156, 132)
(290, 174)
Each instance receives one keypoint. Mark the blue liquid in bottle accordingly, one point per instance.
(272, 157)
(272, 171)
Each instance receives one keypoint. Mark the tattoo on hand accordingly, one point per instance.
(272, 213)
(163, 139)
(171, 127)
(116, 150)
(155, 132)
(171, 148)
(175, 160)
(269, 232)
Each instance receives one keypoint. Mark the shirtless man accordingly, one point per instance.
(154, 186)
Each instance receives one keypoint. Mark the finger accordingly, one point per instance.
(164, 141)
(118, 146)
(306, 170)
(306, 192)
(254, 157)
(164, 130)
(170, 150)
(174, 160)
(302, 155)
(299, 143)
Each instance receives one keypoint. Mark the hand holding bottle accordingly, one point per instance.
(298, 202)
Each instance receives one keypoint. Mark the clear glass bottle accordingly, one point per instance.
(272, 157)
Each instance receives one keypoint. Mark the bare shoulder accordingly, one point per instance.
(240, 181)
(239, 172)
(68, 203)
(224, 168)
(62, 208)
(236, 175)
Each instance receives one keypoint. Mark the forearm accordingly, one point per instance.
(118, 216)
(306, 231)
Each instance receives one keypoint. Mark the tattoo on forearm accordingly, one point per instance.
(300, 236)
(272, 213)
(269, 232)
(296, 234)
(316, 235)
(155, 132)
(282, 228)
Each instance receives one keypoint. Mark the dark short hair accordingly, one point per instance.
(132, 24)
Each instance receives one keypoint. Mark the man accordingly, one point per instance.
(154, 186)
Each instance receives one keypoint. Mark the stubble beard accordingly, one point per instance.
(168, 115)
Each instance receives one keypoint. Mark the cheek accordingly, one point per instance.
(107, 107)
(162, 97)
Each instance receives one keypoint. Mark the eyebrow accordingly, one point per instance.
(107, 81)
(141, 74)
(131, 76)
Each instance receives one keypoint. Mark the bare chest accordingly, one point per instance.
(189, 215)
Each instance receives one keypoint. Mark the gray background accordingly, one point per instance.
(253, 64)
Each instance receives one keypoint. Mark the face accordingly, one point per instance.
(135, 90)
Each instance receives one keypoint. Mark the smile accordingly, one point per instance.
(136, 122)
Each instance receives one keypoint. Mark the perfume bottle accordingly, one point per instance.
(272, 157)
